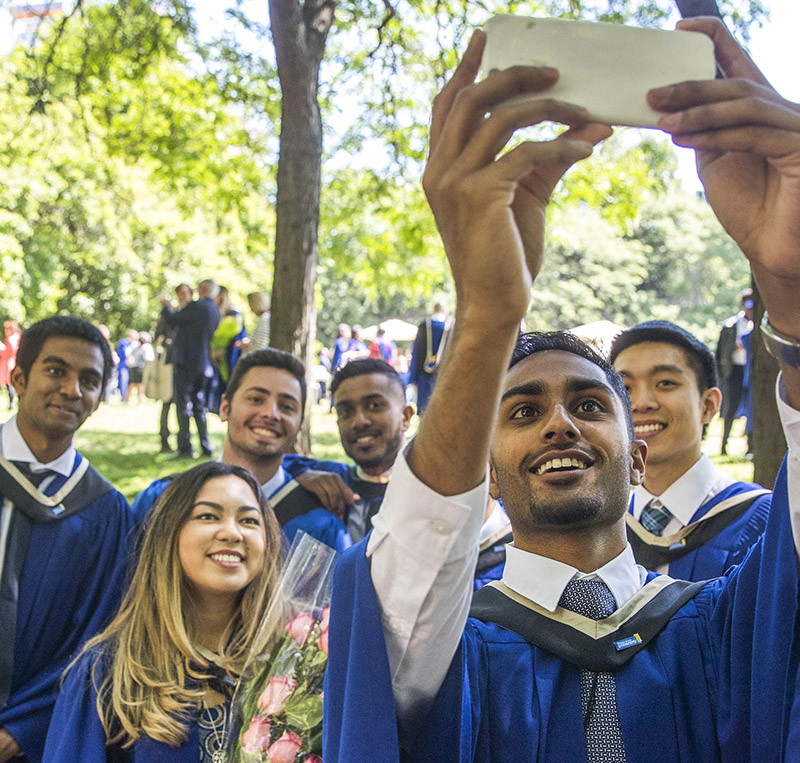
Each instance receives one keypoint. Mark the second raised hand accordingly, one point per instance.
(491, 208)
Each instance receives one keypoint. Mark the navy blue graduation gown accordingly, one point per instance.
(71, 585)
(76, 733)
(716, 684)
(731, 544)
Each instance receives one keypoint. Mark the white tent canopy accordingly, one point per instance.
(598, 333)
(399, 330)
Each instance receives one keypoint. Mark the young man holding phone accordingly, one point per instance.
(677, 672)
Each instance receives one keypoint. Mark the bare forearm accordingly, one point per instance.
(451, 449)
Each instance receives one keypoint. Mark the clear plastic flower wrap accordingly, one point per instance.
(278, 698)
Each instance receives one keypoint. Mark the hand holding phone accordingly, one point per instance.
(606, 68)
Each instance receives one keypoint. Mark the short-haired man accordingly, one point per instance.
(194, 325)
(686, 516)
(63, 528)
(263, 406)
(372, 415)
(579, 654)
(368, 396)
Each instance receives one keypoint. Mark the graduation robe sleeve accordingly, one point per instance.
(146, 499)
(295, 464)
(76, 733)
(358, 684)
(71, 585)
(716, 685)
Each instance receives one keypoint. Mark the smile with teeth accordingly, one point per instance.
(555, 464)
(264, 432)
(648, 428)
(227, 557)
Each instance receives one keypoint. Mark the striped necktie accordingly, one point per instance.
(593, 599)
(655, 516)
(37, 478)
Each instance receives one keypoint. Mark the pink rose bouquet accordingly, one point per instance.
(278, 699)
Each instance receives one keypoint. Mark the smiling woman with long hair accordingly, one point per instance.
(155, 684)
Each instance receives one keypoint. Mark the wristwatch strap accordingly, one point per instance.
(786, 351)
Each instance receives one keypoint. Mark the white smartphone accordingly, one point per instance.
(606, 68)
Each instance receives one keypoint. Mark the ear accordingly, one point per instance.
(18, 380)
(712, 399)
(224, 407)
(408, 412)
(494, 488)
(638, 459)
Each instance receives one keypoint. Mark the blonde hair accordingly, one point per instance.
(148, 674)
(259, 302)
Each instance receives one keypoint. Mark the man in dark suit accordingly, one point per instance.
(194, 326)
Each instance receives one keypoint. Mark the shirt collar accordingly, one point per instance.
(688, 493)
(275, 483)
(380, 479)
(543, 580)
(16, 449)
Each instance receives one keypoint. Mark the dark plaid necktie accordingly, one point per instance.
(593, 599)
(655, 516)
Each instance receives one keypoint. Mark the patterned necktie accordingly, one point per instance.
(593, 599)
(655, 516)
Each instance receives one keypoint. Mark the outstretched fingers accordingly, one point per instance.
(461, 109)
(464, 76)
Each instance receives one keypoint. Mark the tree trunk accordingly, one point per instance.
(769, 444)
(299, 35)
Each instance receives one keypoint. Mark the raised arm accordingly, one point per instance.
(747, 142)
(490, 212)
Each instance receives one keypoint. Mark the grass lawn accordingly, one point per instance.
(122, 443)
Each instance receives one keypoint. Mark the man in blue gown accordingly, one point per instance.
(63, 529)
(263, 408)
(686, 518)
(578, 654)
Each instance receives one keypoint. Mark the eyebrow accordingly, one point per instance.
(529, 389)
(265, 391)
(365, 398)
(61, 362)
(537, 388)
(219, 506)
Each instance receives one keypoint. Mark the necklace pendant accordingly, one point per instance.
(218, 756)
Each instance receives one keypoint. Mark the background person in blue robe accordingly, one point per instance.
(427, 354)
(678, 671)
(165, 666)
(263, 408)
(733, 363)
(62, 560)
(686, 518)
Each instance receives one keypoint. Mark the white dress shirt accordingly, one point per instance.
(686, 495)
(14, 448)
(275, 483)
(423, 551)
